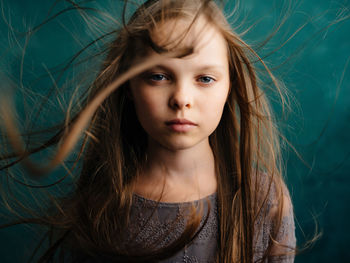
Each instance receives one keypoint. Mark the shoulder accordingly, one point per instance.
(272, 194)
(275, 218)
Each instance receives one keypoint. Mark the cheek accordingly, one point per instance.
(147, 105)
(214, 112)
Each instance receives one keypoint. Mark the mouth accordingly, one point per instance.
(180, 122)
(180, 125)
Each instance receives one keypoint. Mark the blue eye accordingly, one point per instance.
(157, 77)
(206, 79)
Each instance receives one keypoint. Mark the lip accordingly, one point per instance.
(180, 125)
(180, 121)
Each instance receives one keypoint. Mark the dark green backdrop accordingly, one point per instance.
(315, 73)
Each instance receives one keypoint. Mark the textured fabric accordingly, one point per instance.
(155, 225)
(265, 226)
(153, 221)
(168, 220)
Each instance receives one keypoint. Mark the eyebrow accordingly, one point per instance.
(199, 68)
(206, 67)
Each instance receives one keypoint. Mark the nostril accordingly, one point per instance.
(180, 101)
(178, 105)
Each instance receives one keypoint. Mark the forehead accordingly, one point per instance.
(207, 41)
(185, 32)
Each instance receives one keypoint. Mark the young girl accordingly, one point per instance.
(181, 158)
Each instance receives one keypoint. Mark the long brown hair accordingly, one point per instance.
(245, 144)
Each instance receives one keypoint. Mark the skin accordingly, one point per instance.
(193, 88)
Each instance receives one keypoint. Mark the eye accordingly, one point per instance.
(157, 77)
(206, 79)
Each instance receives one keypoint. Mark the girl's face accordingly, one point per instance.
(179, 103)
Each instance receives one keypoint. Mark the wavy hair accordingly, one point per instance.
(246, 147)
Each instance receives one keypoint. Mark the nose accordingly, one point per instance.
(181, 97)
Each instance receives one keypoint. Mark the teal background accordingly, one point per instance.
(313, 66)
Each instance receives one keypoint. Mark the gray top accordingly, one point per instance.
(155, 225)
(168, 221)
(158, 227)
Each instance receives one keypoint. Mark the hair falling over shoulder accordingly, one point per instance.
(111, 146)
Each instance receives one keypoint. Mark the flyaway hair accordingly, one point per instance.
(112, 149)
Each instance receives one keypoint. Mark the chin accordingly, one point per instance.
(177, 142)
(179, 145)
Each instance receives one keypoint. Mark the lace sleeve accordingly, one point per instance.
(276, 228)
(283, 248)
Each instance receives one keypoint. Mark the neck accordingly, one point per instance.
(186, 174)
(181, 164)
